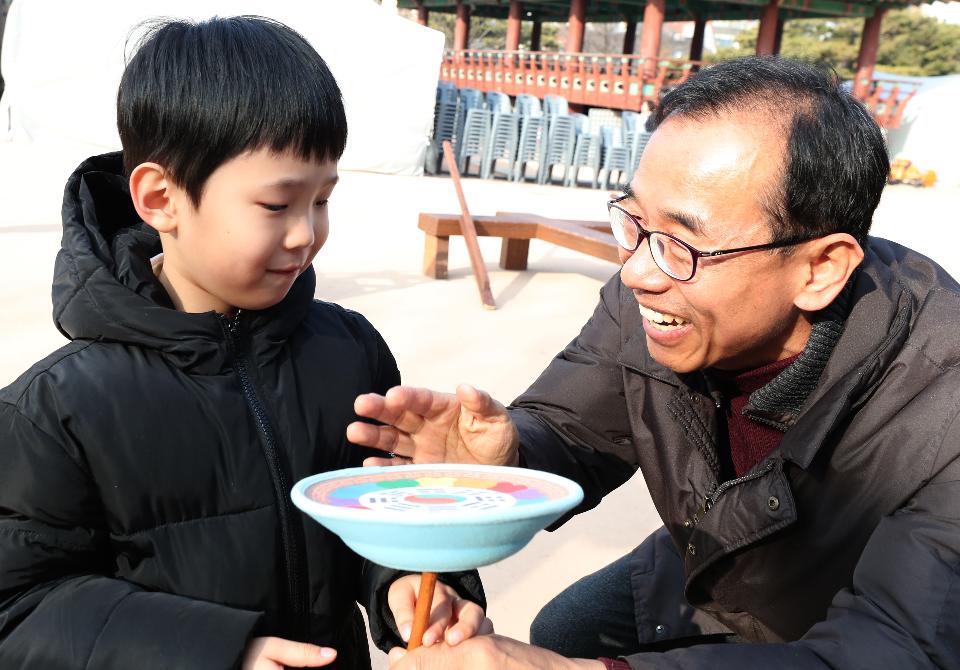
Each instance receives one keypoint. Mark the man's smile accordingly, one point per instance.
(661, 320)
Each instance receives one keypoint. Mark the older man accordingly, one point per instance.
(788, 385)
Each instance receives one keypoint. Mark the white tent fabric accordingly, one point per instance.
(928, 131)
(62, 62)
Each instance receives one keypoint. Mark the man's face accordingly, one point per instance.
(704, 182)
(261, 220)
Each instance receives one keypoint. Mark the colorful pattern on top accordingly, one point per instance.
(434, 491)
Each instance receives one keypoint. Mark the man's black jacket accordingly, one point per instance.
(841, 549)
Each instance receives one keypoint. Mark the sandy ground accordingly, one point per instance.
(437, 330)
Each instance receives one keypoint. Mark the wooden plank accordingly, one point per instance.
(513, 254)
(485, 226)
(470, 233)
(586, 241)
(435, 254)
(590, 237)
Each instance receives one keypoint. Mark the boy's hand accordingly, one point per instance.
(275, 653)
(452, 618)
(424, 426)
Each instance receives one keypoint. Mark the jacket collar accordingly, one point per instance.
(104, 287)
(874, 332)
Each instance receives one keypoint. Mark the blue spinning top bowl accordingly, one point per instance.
(436, 518)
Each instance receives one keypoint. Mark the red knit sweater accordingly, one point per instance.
(749, 441)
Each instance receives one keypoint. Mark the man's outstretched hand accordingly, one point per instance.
(424, 426)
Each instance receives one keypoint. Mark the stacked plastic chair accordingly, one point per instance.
(533, 139)
(630, 120)
(616, 156)
(445, 124)
(561, 141)
(528, 105)
(471, 98)
(602, 117)
(502, 144)
(639, 143)
(554, 105)
(474, 139)
(498, 103)
(585, 154)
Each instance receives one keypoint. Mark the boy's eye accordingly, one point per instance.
(272, 208)
(320, 203)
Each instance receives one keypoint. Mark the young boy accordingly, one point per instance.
(145, 519)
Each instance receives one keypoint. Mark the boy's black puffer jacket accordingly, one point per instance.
(145, 468)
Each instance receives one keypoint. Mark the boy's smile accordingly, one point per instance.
(261, 220)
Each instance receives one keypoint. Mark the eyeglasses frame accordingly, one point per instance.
(694, 252)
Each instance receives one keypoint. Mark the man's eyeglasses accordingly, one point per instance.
(673, 256)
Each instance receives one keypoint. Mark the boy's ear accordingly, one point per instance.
(153, 191)
(829, 262)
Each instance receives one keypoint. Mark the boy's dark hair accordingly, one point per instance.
(836, 161)
(195, 95)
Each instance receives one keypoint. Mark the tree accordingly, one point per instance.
(910, 44)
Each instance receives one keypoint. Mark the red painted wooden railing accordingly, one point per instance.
(614, 81)
(887, 99)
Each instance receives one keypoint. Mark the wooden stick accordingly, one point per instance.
(421, 615)
(469, 232)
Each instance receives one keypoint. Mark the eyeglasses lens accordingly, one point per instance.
(671, 256)
(624, 230)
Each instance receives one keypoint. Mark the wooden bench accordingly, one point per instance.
(589, 237)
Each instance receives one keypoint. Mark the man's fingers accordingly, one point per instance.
(383, 438)
(371, 405)
(479, 402)
(421, 402)
(376, 461)
(297, 654)
(486, 628)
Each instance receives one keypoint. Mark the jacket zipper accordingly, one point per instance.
(291, 551)
(711, 499)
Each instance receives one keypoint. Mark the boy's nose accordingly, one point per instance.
(302, 233)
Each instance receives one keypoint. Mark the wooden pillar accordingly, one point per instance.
(461, 31)
(869, 42)
(767, 35)
(576, 25)
(650, 38)
(778, 37)
(696, 44)
(513, 26)
(630, 37)
(423, 15)
(535, 35)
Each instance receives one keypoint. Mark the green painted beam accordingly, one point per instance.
(608, 11)
(828, 7)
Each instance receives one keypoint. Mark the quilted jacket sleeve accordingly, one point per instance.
(58, 607)
(902, 611)
(573, 420)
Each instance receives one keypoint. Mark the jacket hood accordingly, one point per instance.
(104, 287)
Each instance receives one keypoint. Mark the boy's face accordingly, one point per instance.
(262, 218)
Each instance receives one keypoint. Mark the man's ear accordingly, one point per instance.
(152, 191)
(829, 263)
